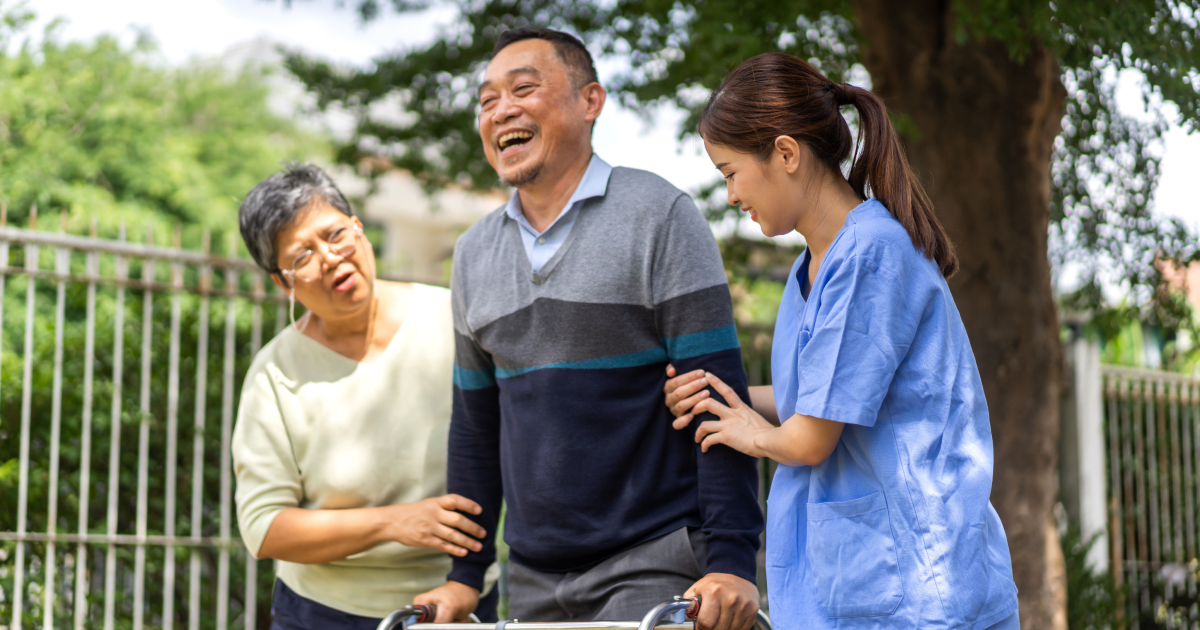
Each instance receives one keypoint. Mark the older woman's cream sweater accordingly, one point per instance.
(317, 430)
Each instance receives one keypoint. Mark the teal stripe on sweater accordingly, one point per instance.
(645, 357)
(682, 347)
(704, 342)
(473, 379)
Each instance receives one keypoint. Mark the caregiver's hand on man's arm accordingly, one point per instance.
(685, 390)
(801, 441)
(320, 536)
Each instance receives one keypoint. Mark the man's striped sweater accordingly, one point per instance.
(558, 379)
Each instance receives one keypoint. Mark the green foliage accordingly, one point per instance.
(1092, 601)
(1105, 166)
(129, 420)
(102, 130)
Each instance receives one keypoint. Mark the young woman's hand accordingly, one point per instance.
(437, 523)
(739, 427)
(683, 392)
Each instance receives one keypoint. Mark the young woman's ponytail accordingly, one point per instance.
(776, 94)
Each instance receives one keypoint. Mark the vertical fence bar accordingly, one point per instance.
(1129, 473)
(62, 266)
(1117, 532)
(1145, 499)
(231, 285)
(1176, 474)
(114, 454)
(4, 266)
(251, 596)
(1151, 445)
(31, 265)
(1163, 455)
(172, 446)
(85, 442)
(3, 276)
(198, 444)
(1188, 475)
(139, 566)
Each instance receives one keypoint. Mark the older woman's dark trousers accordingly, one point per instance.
(291, 611)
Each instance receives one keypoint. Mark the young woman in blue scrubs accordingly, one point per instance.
(879, 514)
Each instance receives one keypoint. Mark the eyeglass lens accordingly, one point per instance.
(307, 266)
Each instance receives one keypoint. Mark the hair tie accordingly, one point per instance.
(843, 93)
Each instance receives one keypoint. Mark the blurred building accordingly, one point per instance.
(419, 230)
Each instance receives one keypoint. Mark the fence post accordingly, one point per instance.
(1082, 470)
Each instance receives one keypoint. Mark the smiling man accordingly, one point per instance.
(568, 303)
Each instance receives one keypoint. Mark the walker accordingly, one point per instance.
(676, 615)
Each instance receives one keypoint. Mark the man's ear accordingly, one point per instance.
(593, 95)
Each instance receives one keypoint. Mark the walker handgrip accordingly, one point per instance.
(678, 611)
(405, 617)
(426, 613)
(683, 610)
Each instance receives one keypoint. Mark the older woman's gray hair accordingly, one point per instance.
(275, 203)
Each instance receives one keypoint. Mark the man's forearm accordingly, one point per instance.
(728, 483)
(473, 471)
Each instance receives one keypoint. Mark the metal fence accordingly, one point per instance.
(143, 316)
(1153, 454)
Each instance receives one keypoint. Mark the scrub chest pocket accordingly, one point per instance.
(852, 557)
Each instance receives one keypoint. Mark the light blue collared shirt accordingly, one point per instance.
(541, 246)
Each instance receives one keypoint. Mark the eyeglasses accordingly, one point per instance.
(307, 266)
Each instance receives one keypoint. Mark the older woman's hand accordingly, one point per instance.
(437, 523)
(320, 536)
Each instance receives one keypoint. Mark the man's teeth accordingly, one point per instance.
(509, 137)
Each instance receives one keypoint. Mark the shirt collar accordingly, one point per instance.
(593, 184)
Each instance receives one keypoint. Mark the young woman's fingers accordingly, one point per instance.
(670, 371)
(460, 503)
(684, 385)
(711, 440)
(712, 406)
(682, 407)
(683, 397)
(724, 390)
(682, 422)
(707, 428)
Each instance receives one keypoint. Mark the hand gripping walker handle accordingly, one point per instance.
(405, 617)
(683, 610)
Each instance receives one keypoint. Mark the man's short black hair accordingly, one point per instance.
(572, 51)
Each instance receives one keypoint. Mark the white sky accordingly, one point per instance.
(192, 28)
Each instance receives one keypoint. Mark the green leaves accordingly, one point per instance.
(101, 130)
(1105, 165)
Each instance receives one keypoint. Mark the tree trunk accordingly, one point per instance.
(984, 126)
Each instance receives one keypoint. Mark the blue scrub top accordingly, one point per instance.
(895, 529)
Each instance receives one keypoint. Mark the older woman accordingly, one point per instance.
(340, 444)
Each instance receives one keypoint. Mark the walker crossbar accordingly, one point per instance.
(676, 615)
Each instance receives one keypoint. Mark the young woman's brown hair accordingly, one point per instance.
(776, 94)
